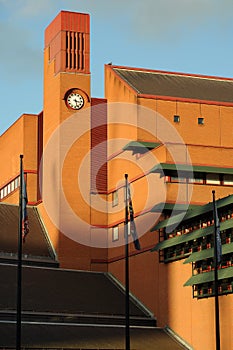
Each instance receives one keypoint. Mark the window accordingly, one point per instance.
(115, 198)
(195, 180)
(115, 233)
(13, 185)
(212, 179)
(200, 121)
(129, 192)
(129, 228)
(5, 191)
(176, 119)
(178, 179)
(17, 180)
(228, 180)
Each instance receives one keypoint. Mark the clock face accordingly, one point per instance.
(75, 101)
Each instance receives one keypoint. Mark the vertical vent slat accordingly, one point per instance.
(75, 50)
(83, 47)
(67, 45)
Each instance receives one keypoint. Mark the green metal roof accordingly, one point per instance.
(189, 168)
(140, 146)
(170, 206)
(191, 236)
(179, 86)
(208, 253)
(192, 213)
(209, 276)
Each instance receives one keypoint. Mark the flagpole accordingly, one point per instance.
(217, 331)
(19, 265)
(127, 329)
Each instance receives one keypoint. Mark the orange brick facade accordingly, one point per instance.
(107, 125)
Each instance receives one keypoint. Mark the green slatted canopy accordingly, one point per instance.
(208, 253)
(140, 146)
(209, 276)
(183, 238)
(192, 213)
(167, 168)
(191, 236)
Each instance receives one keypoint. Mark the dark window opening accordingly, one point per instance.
(200, 121)
(176, 118)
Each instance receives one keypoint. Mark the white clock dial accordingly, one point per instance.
(75, 101)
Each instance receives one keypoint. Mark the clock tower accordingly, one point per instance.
(66, 98)
(66, 68)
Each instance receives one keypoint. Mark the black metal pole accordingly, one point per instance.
(217, 331)
(19, 265)
(127, 329)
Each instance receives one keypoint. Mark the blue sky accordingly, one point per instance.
(191, 36)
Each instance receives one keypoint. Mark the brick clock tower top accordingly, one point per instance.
(68, 39)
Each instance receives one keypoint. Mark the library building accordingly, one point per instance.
(149, 167)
